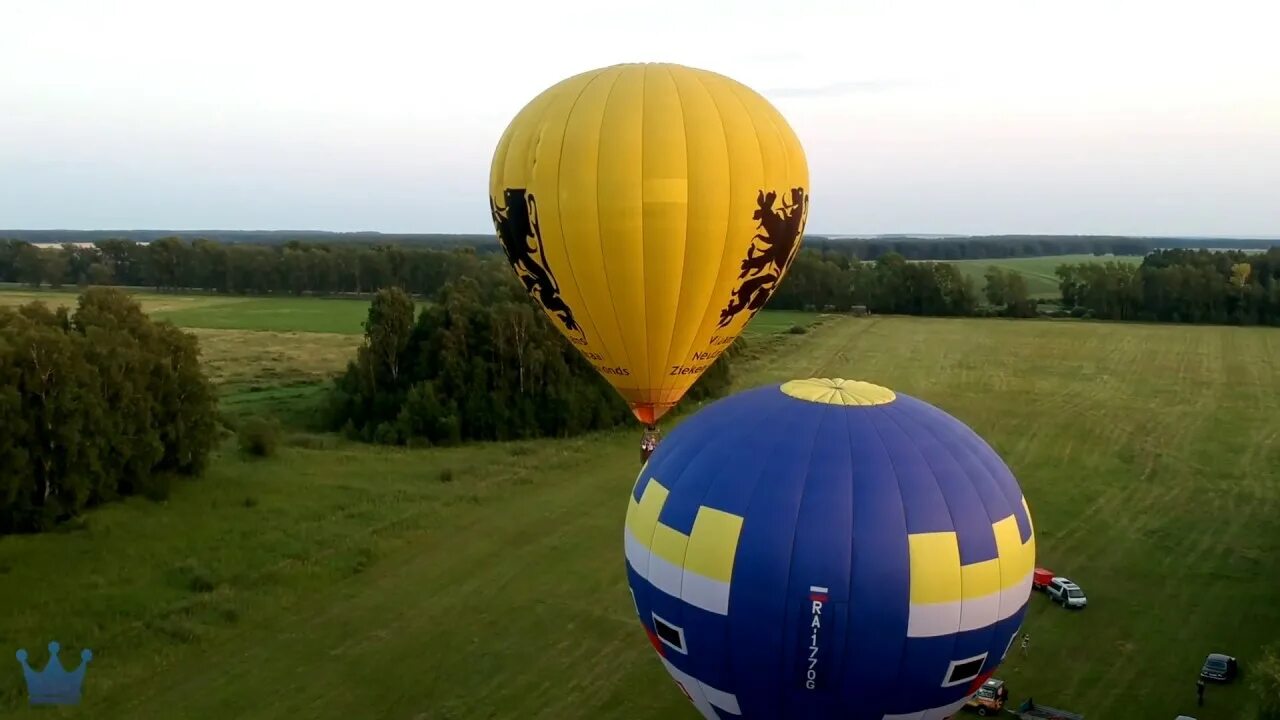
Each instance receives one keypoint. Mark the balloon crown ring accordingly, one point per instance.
(838, 391)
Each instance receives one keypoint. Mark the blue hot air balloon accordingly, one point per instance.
(828, 548)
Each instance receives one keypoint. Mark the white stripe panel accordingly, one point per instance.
(701, 591)
(697, 590)
(704, 696)
(637, 553)
(664, 575)
(980, 612)
(938, 713)
(933, 619)
(1012, 599)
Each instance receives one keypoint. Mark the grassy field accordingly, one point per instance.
(222, 312)
(352, 581)
(341, 316)
(1038, 271)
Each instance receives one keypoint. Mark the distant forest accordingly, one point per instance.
(1197, 286)
(1173, 285)
(911, 247)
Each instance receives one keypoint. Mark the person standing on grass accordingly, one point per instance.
(1026, 643)
(1200, 692)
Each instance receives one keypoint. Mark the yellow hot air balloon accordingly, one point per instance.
(651, 210)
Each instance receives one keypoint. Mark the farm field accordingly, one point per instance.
(1038, 271)
(226, 312)
(342, 316)
(338, 580)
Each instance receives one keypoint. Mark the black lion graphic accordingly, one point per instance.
(517, 225)
(771, 251)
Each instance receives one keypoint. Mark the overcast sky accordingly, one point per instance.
(1028, 116)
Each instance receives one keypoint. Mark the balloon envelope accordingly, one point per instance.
(827, 548)
(651, 210)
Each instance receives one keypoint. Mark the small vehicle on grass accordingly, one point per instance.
(1040, 578)
(1066, 593)
(1030, 710)
(990, 698)
(1219, 668)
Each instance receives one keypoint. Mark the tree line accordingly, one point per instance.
(478, 362)
(990, 246)
(293, 268)
(912, 247)
(1195, 286)
(96, 405)
(834, 282)
(337, 263)
(1178, 285)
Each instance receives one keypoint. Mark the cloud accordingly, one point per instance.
(842, 88)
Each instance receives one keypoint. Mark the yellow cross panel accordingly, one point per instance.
(708, 550)
(938, 577)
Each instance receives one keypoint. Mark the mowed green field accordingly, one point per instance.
(1038, 271)
(343, 316)
(227, 312)
(353, 581)
(276, 354)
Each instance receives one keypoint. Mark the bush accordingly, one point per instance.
(96, 405)
(798, 330)
(446, 475)
(260, 436)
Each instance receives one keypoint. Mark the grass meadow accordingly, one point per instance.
(339, 580)
(1038, 271)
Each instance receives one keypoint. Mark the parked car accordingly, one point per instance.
(1066, 593)
(1219, 667)
(990, 698)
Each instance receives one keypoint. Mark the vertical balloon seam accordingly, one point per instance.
(823, 416)
(662, 384)
(1015, 501)
(902, 650)
(1013, 504)
(568, 256)
(645, 112)
(955, 635)
(954, 447)
(736, 620)
(647, 590)
(708, 306)
(712, 308)
(763, 420)
(785, 139)
(775, 695)
(764, 171)
(772, 112)
(842, 662)
(617, 324)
